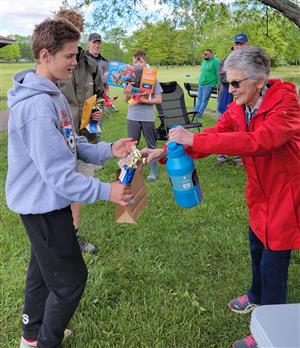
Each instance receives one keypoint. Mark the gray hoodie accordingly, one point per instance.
(42, 150)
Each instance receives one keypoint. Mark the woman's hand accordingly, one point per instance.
(153, 154)
(181, 136)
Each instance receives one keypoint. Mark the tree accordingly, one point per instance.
(288, 8)
(10, 52)
(109, 12)
(25, 47)
(115, 35)
(195, 25)
(112, 51)
(172, 48)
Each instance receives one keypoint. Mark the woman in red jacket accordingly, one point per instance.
(262, 126)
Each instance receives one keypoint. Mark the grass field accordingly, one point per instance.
(163, 282)
(289, 73)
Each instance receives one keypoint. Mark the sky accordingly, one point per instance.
(20, 16)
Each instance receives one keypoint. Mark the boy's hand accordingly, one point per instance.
(120, 193)
(122, 147)
(97, 115)
(153, 154)
(127, 90)
(143, 99)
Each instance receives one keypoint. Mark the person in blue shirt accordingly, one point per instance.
(225, 98)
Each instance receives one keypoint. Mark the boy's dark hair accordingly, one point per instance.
(209, 50)
(53, 34)
(140, 54)
(73, 16)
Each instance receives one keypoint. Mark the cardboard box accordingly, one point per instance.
(130, 213)
(120, 74)
(149, 76)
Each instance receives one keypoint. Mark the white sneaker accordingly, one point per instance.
(151, 177)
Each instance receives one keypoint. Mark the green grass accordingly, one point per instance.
(163, 282)
(7, 70)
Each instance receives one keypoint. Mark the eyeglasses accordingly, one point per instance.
(236, 83)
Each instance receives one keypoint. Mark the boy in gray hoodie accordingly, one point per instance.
(42, 183)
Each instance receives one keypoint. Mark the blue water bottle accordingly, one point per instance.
(183, 176)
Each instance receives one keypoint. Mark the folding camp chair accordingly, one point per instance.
(108, 103)
(172, 111)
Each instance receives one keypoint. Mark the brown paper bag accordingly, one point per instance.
(130, 213)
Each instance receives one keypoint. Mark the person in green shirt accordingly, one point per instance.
(208, 79)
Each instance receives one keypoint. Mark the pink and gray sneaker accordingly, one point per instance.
(241, 305)
(26, 343)
(246, 342)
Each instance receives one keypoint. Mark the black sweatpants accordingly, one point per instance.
(56, 277)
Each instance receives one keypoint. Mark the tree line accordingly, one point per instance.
(182, 38)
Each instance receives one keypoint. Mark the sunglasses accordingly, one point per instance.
(236, 83)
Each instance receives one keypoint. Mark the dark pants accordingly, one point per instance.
(269, 272)
(134, 129)
(56, 277)
(92, 138)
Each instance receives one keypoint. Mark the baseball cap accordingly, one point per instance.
(241, 38)
(95, 37)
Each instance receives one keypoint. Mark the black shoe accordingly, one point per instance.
(85, 246)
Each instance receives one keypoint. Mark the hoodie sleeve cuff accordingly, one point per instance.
(104, 191)
(106, 151)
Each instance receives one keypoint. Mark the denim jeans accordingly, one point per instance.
(269, 272)
(204, 93)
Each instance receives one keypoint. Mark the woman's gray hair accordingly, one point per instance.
(252, 60)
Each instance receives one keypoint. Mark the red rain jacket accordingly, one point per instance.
(270, 150)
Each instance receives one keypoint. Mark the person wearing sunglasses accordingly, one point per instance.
(262, 125)
(225, 98)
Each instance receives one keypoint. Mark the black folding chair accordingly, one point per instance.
(172, 111)
(192, 89)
